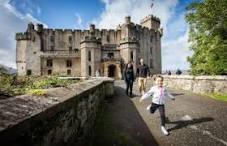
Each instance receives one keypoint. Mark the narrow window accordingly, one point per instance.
(89, 55)
(49, 62)
(69, 63)
(70, 49)
(131, 55)
(29, 72)
(151, 63)
(89, 70)
(68, 72)
(108, 38)
(49, 72)
(52, 39)
(151, 50)
(70, 39)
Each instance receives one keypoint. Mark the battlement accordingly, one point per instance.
(150, 17)
(23, 36)
(88, 39)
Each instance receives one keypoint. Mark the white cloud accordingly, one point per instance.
(175, 53)
(79, 21)
(175, 34)
(11, 21)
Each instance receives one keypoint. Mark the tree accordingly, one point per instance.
(208, 37)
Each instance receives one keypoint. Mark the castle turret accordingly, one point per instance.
(90, 55)
(128, 49)
(151, 22)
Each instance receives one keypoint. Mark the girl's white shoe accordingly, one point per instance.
(164, 131)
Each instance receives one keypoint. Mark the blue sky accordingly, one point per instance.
(78, 14)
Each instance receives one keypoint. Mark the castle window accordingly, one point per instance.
(52, 48)
(49, 72)
(131, 55)
(29, 72)
(151, 63)
(110, 55)
(89, 70)
(108, 38)
(89, 55)
(76, 50)
(52, 39)
(69, 63)
(70, 39)
(70, 48)
(68, 72)
(49, 62)
(151, 50)
(151, 39)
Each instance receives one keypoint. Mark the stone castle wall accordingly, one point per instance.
(197, 84)
(65, 116)
(41, 40)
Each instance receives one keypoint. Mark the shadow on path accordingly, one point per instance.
(181, 124)
(120, 124)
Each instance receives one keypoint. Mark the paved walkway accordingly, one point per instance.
(193, 120)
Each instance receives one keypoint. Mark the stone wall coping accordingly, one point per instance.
(19, 108)
(195, 77)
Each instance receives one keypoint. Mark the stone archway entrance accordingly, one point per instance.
(112, 71)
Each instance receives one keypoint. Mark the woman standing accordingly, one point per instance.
(129, 78)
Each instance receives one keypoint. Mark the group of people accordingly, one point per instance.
(142, 73)
(158, 92)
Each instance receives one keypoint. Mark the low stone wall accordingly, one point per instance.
(65, 116)
(197, 84)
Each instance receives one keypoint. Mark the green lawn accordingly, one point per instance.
(218, 96)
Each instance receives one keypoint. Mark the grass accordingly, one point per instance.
(33, 85)
(218, 96)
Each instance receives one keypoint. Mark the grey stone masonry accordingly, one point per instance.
(62, 117)
(198, 84)
(45, 51)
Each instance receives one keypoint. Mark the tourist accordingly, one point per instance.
(142, 73)
(159, 94)
(129, 78)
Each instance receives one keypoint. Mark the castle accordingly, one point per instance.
(45, 51)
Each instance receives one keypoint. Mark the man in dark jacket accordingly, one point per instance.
(142, 73)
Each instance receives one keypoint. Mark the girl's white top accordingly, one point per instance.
(159, 94)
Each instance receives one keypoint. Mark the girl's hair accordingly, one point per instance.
(159, 76)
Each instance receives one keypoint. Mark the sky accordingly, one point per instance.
(78, 14)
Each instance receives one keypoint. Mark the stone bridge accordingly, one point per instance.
(70, 116)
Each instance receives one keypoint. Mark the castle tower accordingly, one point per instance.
(90, 54)
(154, 60)
(28, 44)
(129, 44)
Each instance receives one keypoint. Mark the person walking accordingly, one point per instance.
(129, 78)
(142, 73)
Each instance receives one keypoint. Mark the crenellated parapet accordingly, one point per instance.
(147, 18)
(23, 36)
(88, 39)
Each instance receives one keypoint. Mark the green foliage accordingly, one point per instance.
(12, 85)
(218, 96)
(37, 92)
(208, 37)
